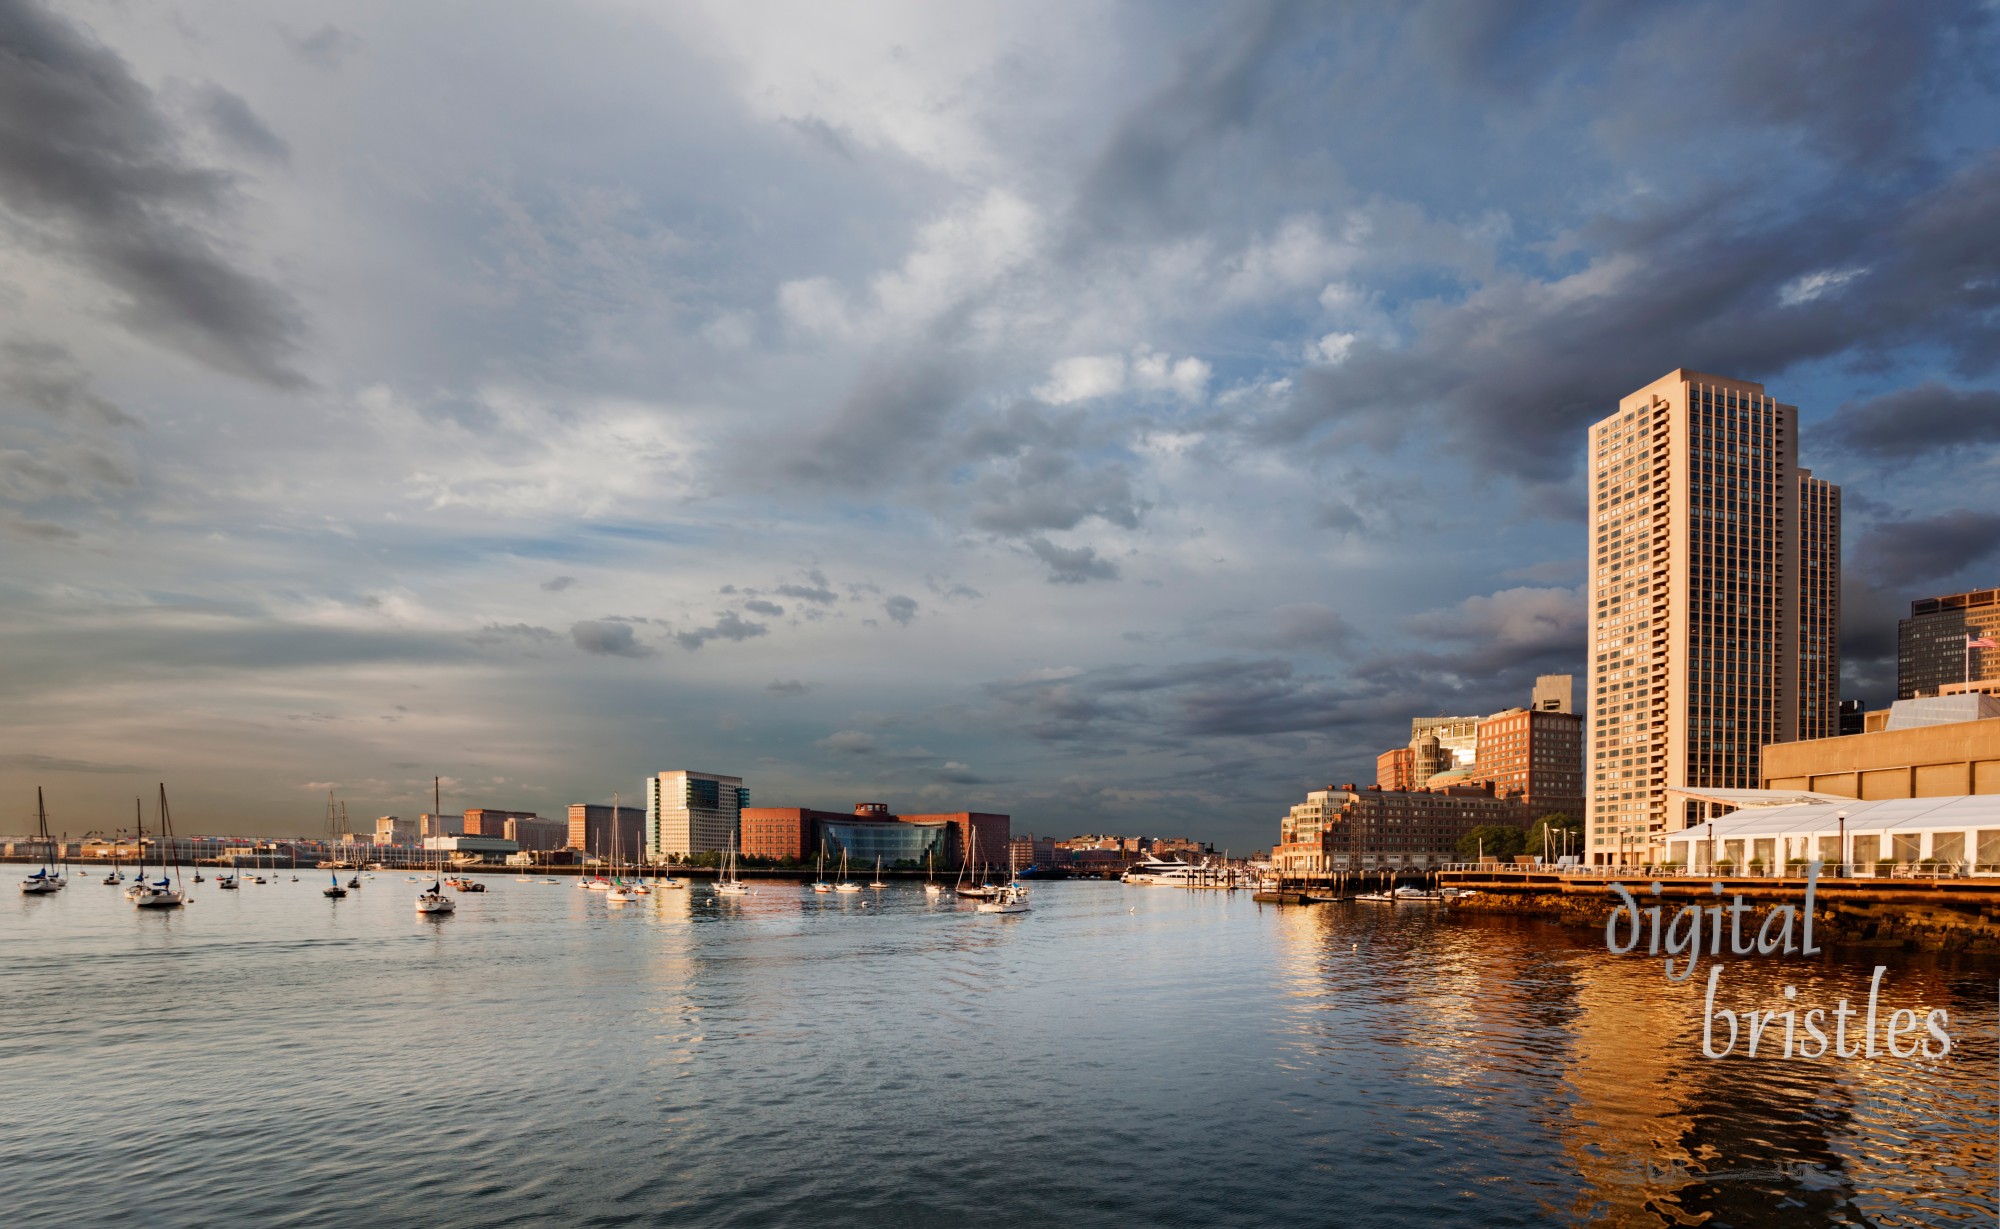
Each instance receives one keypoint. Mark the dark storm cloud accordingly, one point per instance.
(1072, 565)
(901, 609)
(1048, 490)
(608, 639)
(727, 626)
(1937, 548)
(896, 408)
(787, 687)
(759, 606)
(230, 118)
(1220, 698)
(88, 160)
(1516, 369)
(1912, 422)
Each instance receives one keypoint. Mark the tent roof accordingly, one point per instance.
(1956, 812)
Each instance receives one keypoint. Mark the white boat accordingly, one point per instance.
(877, 881)
(226, 882)
(931, 886)
(162, 893)
(845, 884)
(729, 884)
(48, 879)
(618, 892)
(820, 884)
(1161, 872)
(432, 902)
(1012, 898)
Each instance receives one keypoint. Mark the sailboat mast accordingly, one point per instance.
(139, 836)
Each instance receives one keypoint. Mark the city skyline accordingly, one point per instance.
(1094, 414)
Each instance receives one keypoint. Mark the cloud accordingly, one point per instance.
(556, 584)
(88, 159)
(1914, 422)
(1926, 549)
(727, 626)
(817, 592)
(50, 763)
(1308, 625)
(851, 742)
(901, 609)
(954, 773)
(787, 687)
(497, 633)
(1072, 565)
(327, 47)
(45, 376)
(607, 639)
(758, 605)
(230, 118)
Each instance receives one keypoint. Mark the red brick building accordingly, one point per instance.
(1535, 757)
(487, 821)
(870, 828)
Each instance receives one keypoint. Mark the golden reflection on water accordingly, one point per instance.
(1481, 1020)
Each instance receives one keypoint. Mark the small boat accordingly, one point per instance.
(258, 879)
(433, 901)
(845, 884)
(226, 882)
(819, 883)
(931, 886)
(354, 882)
(48, 879)
(163, 893)
(468, 885)
(199, 879)
(1409, 893)
(333, 890)
(1380, 898)
(1010, 900)
(877, 881)
(730, 885)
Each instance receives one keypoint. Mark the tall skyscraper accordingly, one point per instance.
(1819, 607)
(692, 812)
(1699, 573)
(1933, 652)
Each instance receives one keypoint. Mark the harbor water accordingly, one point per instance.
(1118, 1056)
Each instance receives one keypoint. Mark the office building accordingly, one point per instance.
(1554, 693)
(1458, 736)
(389, 830)
(1853, 717)
(1697, 573)
(1535, 757)
(1818, 608)
(692, 812)
(870, 830)
(599, 832)
(486, 821)
(1396, 768)
(536, 834)
(1933, 649)
(429, 825)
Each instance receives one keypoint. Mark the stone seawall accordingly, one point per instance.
(1943, 918)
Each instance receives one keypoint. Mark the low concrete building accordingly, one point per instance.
(1342, 828)
(1922, 761)
(471, 848)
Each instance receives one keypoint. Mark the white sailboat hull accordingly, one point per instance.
(435, 902)
(160, 900)
(41, 887)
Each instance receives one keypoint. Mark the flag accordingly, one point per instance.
(1981, 642)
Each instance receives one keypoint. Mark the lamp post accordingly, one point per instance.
(1843, 845)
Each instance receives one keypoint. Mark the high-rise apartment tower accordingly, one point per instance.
(1714, 578)
(693, 812)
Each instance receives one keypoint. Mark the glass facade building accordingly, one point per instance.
(893, 841)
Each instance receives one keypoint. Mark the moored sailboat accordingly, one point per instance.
(163, 893)
(48, 878)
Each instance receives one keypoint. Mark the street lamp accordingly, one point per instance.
(1843, 845)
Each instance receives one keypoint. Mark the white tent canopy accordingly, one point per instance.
(1962, 830)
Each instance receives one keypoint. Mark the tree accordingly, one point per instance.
(1546, 837)
(1491, 840)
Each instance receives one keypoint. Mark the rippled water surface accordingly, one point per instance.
(1119, 1056)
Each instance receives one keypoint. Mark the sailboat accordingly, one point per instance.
(931, 886)
(48, 879)
(975, 891)
(138, 884)
(877, 881)
(729, 884)
(845, 884)
(112, 876)
(1012, 898)
(162, 893)
(333, 890)
(620, 892)
(819, 882)
(432, 902)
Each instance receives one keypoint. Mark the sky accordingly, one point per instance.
(1123, 416)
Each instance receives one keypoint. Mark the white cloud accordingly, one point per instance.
(1816, 285)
